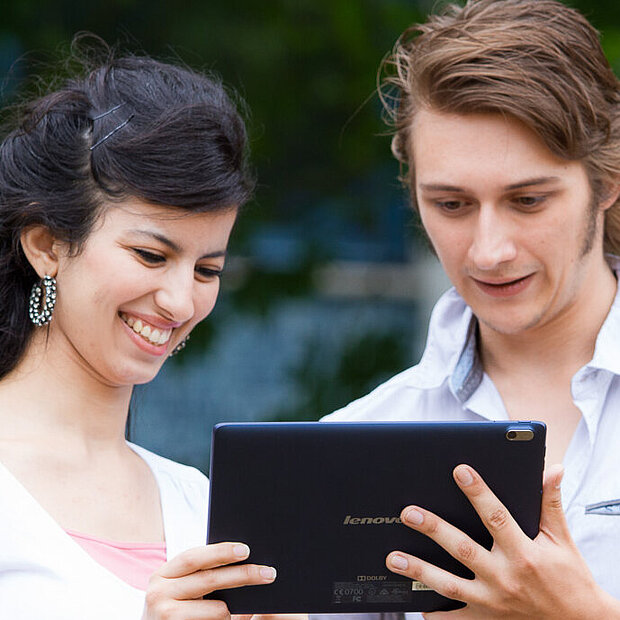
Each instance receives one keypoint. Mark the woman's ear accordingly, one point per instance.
(41, 250)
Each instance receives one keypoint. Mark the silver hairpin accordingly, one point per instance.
(116, 107)
(95, 118)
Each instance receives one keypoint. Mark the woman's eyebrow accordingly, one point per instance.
(172, 245)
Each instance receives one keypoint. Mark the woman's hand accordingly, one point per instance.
(175, 591)
(545, 578)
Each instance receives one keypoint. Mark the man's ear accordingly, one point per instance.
(41, 249)
(610, 197)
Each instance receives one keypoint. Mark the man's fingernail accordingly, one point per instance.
(413, 516)
(463, 475)
(559, 477)
(241, 551)
(399, 562)
(268, 572)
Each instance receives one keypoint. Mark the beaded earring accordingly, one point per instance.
(41, 310)
(179, 346)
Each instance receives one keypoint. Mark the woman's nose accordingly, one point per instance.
(176, 296)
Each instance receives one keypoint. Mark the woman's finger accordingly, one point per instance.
(187, 610)
(204, 582)
(201, 558)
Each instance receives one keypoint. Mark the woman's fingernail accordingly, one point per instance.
(413, 516)
(463, 475)
(268, 573)
(241, 551)
(399, 562)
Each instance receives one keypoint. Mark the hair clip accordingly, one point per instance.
(100, 141)
(116, 107)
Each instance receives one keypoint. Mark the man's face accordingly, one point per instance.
(514, 226)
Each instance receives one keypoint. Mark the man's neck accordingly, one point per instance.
(559, 346)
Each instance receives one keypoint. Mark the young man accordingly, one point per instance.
(507, 120)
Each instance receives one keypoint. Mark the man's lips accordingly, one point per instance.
(504, 287)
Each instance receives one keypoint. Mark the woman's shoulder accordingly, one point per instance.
(184, 494)
(163, 467)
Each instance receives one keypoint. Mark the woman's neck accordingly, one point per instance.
(48, 396)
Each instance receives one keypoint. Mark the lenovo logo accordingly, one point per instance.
(349, 520)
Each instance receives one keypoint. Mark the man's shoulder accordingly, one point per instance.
(394, 400)
(419, 391)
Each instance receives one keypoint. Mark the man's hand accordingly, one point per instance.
(545, 578)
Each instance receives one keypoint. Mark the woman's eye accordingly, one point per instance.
(208, 272)
(149, 257)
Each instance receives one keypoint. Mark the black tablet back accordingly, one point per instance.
(320, 502)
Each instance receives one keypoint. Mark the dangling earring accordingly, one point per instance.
(41, 313)
(179, 346)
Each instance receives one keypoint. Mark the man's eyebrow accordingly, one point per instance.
(535, 181)
(172, 245)
(441, 187)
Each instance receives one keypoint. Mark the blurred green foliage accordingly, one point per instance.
(326, 385)
(307, 69)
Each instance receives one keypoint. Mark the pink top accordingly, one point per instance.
(134, 563)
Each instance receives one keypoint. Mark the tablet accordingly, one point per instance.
(320, 501)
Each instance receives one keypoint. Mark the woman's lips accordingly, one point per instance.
(506, 288)
(150, 333)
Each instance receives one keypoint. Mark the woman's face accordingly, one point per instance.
(145, 277)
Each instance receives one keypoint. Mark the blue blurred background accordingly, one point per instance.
(329, 284)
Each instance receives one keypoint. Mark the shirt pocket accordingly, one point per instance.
(610, 507)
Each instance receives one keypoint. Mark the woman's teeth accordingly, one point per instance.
(152, 334)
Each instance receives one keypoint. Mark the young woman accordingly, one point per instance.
(118, 194)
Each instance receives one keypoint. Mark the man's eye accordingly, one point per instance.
(529, 201)
(149, 257)
(449, 205)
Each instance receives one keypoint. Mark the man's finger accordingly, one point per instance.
(438, 579)
(552, 519)
(460, 546)
(495, 516)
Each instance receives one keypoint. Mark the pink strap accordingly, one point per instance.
(134, 563)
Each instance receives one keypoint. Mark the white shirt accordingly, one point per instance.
(46, 575)
(449, 384)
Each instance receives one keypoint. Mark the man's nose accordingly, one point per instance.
(493, 241)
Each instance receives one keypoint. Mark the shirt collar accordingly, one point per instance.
(452, 347)
(606, 355)
(451, 328)
(468, 373)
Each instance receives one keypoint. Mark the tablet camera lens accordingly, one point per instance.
(524, 434)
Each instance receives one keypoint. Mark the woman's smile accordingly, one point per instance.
(154, 335)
